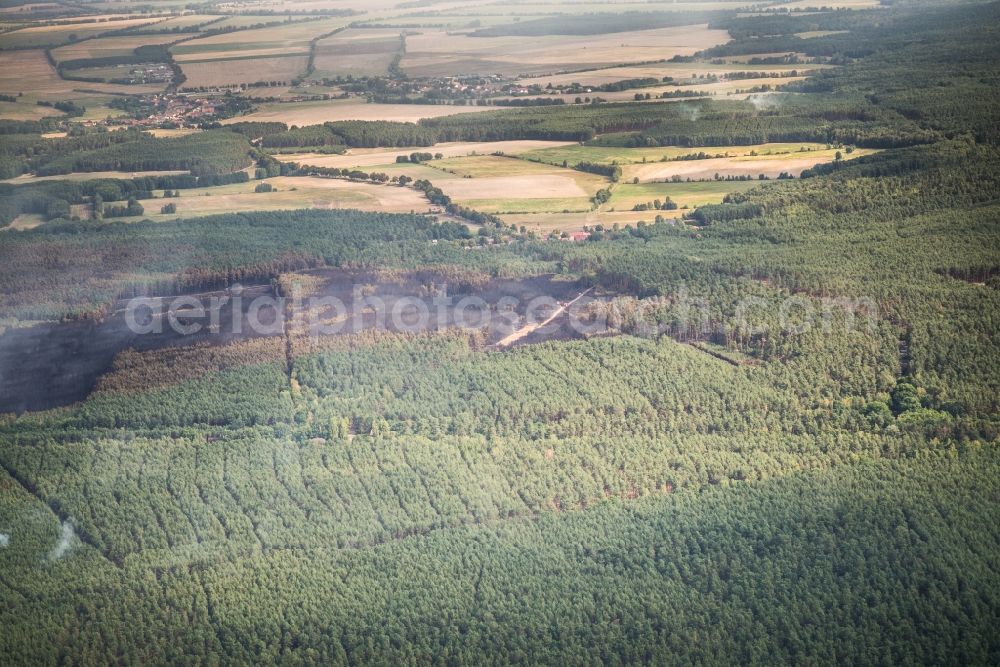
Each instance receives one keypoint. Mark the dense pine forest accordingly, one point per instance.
(813, 481)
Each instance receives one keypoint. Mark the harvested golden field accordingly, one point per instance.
(573, 154)
(370, 157)
(592, 7)
(540, 186)
(831, 4)
(414, 171)
(86, 176)
(52, 35)
(769, 165)
(819, 33)
(28, 71)
(436, 53)
(176, 132)
(738, 89)
(484, 166)
(493, 184)
(28, 7)
(293, 192)
(26, 221)
(625, 196)
(547, 223)
(314, 113)
(245, 21)
(272, 93)
(97, 17)
(103, 47)
(356, 52)
(452, 21)
(313, 5)
(240, 53)
(179, 22)
(287, 39)
(677, 71)
(505, 184)
(231, 72)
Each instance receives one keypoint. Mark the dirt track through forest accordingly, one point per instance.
(531, 328)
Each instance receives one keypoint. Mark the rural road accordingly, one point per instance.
(532, 327)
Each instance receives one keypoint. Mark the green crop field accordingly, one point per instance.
(63, 33)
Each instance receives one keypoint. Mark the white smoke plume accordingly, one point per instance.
(66, 539)
(765, 102)
(690, 110)
(4, 539)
